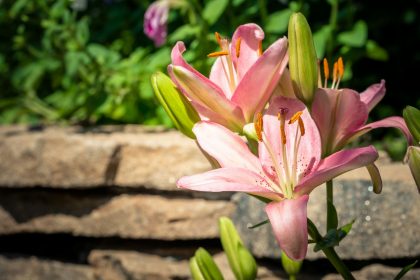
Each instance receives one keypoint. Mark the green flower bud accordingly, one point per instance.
(412, 119)
(203, 267)
(303, 63)
(413, 155)
(291, 267)
(178, 108)
(240, 259)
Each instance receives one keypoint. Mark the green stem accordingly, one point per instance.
(330, 253)
(333, 25)
(330, 199)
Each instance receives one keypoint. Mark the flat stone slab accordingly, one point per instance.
(126, 156)
(98, 215)
(36, 269)
(378, 272)
(387, 225)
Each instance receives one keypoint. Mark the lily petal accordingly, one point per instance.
(225, 146)
(337, 113)
(257, 85)
(373, 94)
(219, 76)
(284, 87)
(289, 221)
(228, 180)
(336, 164)
(250, 36)
(396, 122)
(206, 94)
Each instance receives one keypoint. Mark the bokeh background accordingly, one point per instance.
(88, 61)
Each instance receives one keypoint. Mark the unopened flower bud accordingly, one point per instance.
(302, 59)
(178, 108)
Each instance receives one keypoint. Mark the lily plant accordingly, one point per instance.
(288, 167)
(241, 80)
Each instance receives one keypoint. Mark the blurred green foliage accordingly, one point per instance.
(88, 61)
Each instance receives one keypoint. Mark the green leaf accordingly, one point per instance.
(405, 270)
(213, 10)
(355, 37)
(333, 218)
(183, 33)
(259, 224)
(207, 266)
(333, 237)
(321, 39)
(412, 119)
(376, 52)
(277, 22)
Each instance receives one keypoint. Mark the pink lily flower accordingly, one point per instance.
(155, 23)
(289, 166)
(241, 80)
(341, 114)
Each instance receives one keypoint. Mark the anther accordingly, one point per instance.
(258, 125)
(282, 118)
(260, 49)
(295, 117)
(340, 68)
(238, 46)
(301, 126)
(218, 38)
(326, 72)
(217, 54)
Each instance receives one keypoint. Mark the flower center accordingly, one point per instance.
(286, 166)
(337, 75)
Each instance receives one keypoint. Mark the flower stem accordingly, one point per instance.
(330, 253)
(330, 199)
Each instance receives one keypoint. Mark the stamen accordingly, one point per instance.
(260, 48)
(301, 126)
(326, 72)
(295, 117)
(258, 125)
(281, 118)
(340, 71)
(238, 46)
(217, 54)
(319, 73)
(335, 73)
(218, 39)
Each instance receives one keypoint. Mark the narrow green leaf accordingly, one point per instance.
(278, 21)
(333, 237)
(405, 270)
(259, 224)
(333, 218)
(213, 10)
(376, 52)
(320, 40)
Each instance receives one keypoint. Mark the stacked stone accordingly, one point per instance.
(115, 188)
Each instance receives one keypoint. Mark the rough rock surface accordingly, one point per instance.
(386, 224)
(97, 215)
(76, 158)
(378, 272)
(35, 269)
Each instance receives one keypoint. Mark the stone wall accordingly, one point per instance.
(101, 203)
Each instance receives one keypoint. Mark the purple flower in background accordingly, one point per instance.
(155, 21)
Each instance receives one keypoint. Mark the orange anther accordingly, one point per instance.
(238, 46)
(258, 125)
(326, 69)
(260, 49)
(218, 37)
(295, 117)
(281, 117)
(301, 126)
(335, 72)
(340, 67)
(216, 54)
